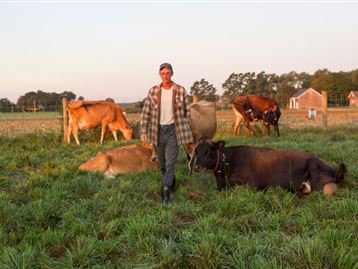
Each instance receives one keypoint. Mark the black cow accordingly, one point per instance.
(264, 167)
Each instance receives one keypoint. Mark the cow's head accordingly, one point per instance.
(269, 117)
(128, 133)
(205, 155)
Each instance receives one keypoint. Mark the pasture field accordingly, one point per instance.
(13, 124)
(28, 115)
(54, 216)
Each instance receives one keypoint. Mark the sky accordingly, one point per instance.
(113, 49)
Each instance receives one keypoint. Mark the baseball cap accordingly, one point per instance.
(166, 65)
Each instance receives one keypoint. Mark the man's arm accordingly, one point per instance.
(186, 106)
(144, 119)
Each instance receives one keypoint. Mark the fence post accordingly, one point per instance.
(65, 120)
(324, 109)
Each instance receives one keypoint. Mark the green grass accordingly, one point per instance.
(29, 115)
(54, 216)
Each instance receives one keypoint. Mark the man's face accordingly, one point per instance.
(165, 75)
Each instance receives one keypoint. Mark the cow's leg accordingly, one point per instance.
(236, 125)
(267, 127)
(277, 129)
(321, 174)
(220, 181)
(75, 133)
(114, 133)
(340, 172)
(103, 131)
(248, 127)
(313, 173)
(68, 134)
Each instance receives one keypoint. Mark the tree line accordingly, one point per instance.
(279, 87)
(37, 101)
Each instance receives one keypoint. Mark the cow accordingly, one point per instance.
(91, 114)
(253, 108)
(264, 167)
(133, 158)
(203, 122)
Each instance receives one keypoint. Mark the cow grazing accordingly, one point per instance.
(132, 158)
(253, 108)
(264, 167)
(91, 114)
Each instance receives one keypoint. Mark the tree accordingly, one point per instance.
(304, 80)
(284, 91)
(204, 90)
(233, 86)
(68, 95)
(48, 101)
(322, 80)
(265, 84)
(6, 105)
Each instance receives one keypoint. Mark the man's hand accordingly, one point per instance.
(143, 138)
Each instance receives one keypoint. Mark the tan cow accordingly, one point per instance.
(91, 114)
(203, 119)
(203, 122)
(132, 158)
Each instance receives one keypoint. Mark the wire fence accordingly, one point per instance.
(33, 118)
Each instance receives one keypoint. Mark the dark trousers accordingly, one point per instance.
(167, 151)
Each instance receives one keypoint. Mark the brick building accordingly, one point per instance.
(306, 99)
(353, 98)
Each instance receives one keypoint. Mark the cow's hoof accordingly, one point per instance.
(330, 188)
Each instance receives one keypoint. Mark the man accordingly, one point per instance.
(165, 122)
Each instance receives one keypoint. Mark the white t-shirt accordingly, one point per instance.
(166, 107)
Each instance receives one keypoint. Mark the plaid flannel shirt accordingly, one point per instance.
(149, 122)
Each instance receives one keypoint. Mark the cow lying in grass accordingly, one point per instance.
(264, 167)
(132, 158)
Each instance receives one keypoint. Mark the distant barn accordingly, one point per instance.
(353, 98)
(306, 99)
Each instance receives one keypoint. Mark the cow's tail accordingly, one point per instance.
(340, 172)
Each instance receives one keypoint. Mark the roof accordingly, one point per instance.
(354, 93)
(299, 92)
(302, 91)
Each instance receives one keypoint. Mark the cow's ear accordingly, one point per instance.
(220, 144)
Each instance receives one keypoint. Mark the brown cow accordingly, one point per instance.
(253, 108)
(132, 158)
(91, 114)
(263, 167)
